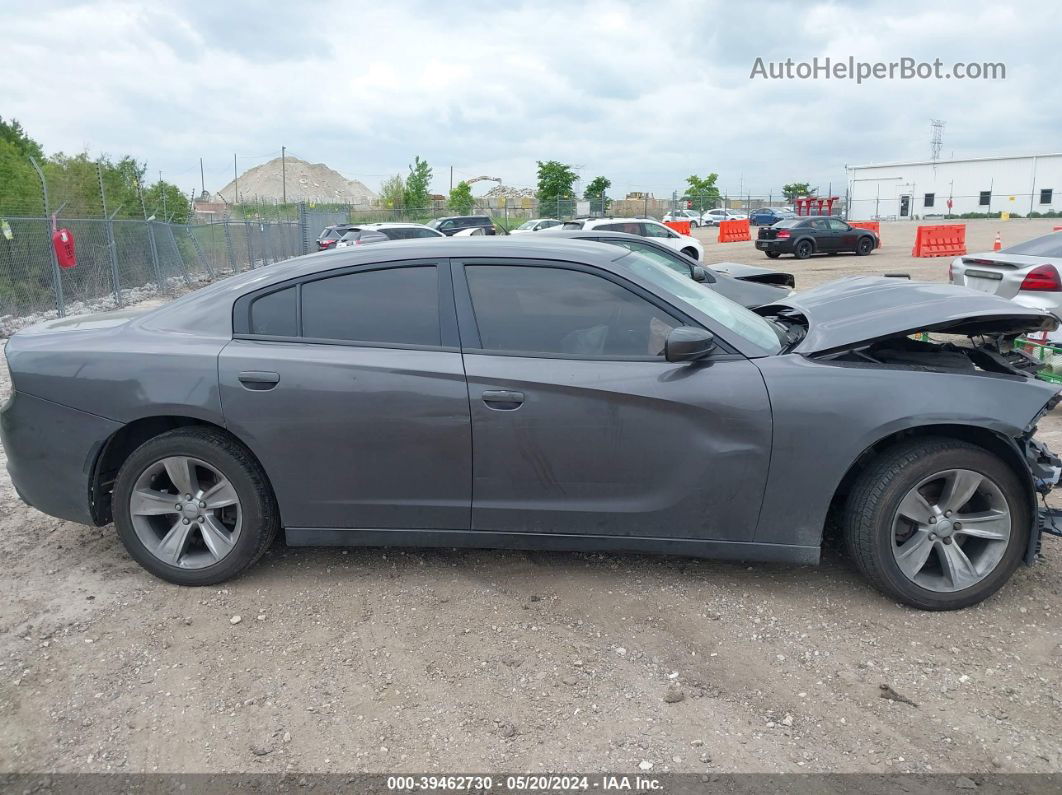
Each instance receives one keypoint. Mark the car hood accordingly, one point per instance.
(863, 309)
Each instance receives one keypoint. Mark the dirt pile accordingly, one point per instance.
(309, 182)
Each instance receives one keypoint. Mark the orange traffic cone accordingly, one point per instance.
(998, 244)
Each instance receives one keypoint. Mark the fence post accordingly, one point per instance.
(304, 222)
(250, 247)
(180, 257)
(57, 279)
(112, 248)
(229, 250)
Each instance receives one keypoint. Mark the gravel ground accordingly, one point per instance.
(424, 661)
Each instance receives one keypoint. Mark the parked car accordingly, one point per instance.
(540, 394)
(803, 237)
(382, 232)
(766, 216)
(455, 223)
(713, 217)
(744, 284)
(643, 227)
(1027, 273)
(535, 225)
(331, 235)
(692, 216)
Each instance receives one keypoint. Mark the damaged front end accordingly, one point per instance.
(1045, 469)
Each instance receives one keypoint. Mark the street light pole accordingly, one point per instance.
(284, 174)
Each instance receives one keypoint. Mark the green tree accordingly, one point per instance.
(596, 188)
(702, 191)
(393, 192)
(167, 203)
(461, 200)
(417, 194)
(795, 189)
(555, 181)
(12, 132)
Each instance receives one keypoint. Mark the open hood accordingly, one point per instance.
(864, 309)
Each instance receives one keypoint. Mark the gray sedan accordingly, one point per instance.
(541, 394)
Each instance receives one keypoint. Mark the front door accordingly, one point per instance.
(350, 390)
(580, 426)
(905, 206)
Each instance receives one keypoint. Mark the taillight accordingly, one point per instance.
(1043, 278)
(782, 233)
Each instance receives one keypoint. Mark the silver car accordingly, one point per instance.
(1027, 273)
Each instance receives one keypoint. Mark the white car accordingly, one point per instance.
(713, 217)
(380, 232)
(1028, 273)
(692, 216)
(535, 225)
(643, 227)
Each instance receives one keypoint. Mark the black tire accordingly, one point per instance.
(876, 495)
(864, 246)
(260, 521)
(692, 254)
(803, 249)
(773, 254)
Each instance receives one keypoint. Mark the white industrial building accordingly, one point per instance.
(922, 189)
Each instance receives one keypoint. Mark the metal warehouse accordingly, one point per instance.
(1015, 184)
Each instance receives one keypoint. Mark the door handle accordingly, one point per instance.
(258, 380)
(503, 399)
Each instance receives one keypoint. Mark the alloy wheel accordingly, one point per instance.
(185, 512)
(951, 530)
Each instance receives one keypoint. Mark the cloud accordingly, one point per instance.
(641, 93)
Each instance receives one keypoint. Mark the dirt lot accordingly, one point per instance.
(425, 661)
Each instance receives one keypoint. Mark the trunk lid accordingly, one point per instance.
(99, 320)
(862, 309)
(997, 272)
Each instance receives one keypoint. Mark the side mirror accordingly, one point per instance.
(702, 275)
(686, 344)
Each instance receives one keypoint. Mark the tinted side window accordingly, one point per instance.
(399, 305)
(554, 310)
(629, 227)
(656, 230)
(274, 314)
(838, 226)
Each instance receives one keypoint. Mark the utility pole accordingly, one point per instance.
(284, 175)
(451, 179)
(236, 176)
(202, 179)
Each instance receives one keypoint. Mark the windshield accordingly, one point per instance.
(735, 317)
(1046, 246)
(527, 225)
(435, 223)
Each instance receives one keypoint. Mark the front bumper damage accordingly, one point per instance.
(1045, 468)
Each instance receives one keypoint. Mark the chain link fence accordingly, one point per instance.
(122, 262)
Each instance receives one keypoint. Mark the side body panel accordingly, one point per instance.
(621, 448)
(355, 436)
(826, 416)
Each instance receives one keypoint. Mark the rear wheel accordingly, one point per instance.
(773, 254)
(193, 507)
(938, 524)
(864, 246)
(803, 249)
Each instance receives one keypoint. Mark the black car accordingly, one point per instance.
(453, 224)
(803, 237)
(331, 235)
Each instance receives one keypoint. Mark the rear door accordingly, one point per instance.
(349, 387)
(580, 426)
(826, 239)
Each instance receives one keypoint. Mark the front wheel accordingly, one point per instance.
(692, 254)
(938, 524)
(864, 246)
(193, 507)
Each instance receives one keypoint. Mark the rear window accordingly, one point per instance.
(274, 314)
(791, 224)
(1046, 246)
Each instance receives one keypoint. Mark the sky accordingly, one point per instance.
(644, 93)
